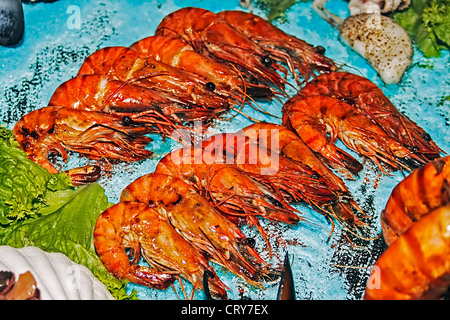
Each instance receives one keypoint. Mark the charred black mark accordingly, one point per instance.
(179, 197)
(438, 165)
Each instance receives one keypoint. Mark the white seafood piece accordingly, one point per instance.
(381, 41)
(382, 6)
(57, 277)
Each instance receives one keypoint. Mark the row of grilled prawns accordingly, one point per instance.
(198, 65)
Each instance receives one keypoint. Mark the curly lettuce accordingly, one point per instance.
(46, 211)
(427, 22)
(23, 183)
(276, 9)
(66, 225)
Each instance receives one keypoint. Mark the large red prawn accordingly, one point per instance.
(299, 55)
(366, 97)
(214, 37)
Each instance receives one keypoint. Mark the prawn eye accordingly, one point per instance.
(210, 86)
(427, 137)
(126, 120)
(266, 61)
(249, 242)
(319, 49)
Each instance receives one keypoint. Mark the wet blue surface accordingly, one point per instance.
(60, 35)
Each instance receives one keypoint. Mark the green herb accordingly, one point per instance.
(277, 8)
(427, 22)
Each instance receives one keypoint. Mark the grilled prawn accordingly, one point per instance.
(369, 99)
(294, 181)
(234, 193)
(299, 55)
(220, 77)
(138, 227)
(288, 144)
(417, 264)
(98, 93)
(425, 189)
(93, 134)
(312, 117)
(199, 223)
(214, 37)
(125, 64)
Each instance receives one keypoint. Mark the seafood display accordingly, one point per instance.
(236, 141)
(167, 81)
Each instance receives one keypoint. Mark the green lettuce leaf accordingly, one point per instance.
(67, 225)
(427, 22)
(437, 16)
(276, 9)
(23, 183)
(46, 211)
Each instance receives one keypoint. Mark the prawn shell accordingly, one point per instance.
(416, 265)
(383, 42)
(425, 189)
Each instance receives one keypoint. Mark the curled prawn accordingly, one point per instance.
(425, 189)
(95, 92)
(214, 37)
(369, 99)
(221, 77)
(125, 64)
(417, 264)
(138, 227)
(288, 144)
(312, 117)
(299, 55)
(199, 223)
(230, 190)
(94, 134)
